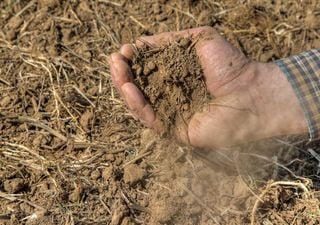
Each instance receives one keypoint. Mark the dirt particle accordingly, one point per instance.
(67, 35)
(5, 101)
(107, 173)
(14, 185)
(138, 68)
(85, 119)
(161, 17)
(163, 28)
(84, 11)
(38, 217)
(93, 91)
(195, 209)
(11, 35)
(75, 195)
(48, 3)
(133, 174)
(96, 174)
(127, 221)
(165, 208)
(151, 66)
(156, 8)
(41, 140)
(185, 42)
(14, 22)
(26, 208)
(109, 157)
(119, 214)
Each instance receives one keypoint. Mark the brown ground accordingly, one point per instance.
(70, 153)
(171, 79)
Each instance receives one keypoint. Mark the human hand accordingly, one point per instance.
(240, 109)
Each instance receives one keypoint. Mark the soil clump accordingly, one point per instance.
(172, 80)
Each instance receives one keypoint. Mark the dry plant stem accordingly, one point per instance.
(147, 152)
(277, 183)
(84, 96)
(280, 165)
(181, 11)
(110, 2)
(30, 4)
(137, 158)
(138, 22)
(246, 183)
(12, 198)
(105, 206)
(36, 123)
(23, 148)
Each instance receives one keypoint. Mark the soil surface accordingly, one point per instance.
(71, 153)
(171, 79)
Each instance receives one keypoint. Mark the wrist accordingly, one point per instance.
(275, 96)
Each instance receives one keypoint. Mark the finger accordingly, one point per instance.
(120, 70)
(127, 51)
(166, 37)
(138, 104)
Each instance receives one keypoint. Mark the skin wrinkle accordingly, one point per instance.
(234, 77)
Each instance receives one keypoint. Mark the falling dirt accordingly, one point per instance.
(171, 79)
(71, 153)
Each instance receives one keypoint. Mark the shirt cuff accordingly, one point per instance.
(303, 73)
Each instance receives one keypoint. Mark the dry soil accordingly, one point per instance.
(71, 153)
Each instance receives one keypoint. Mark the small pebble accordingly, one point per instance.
(15, 22)
(156, 8)
(11, 35)
(184, 73)
(146, 71)
(96, 174)
(5, 101)
(185, 42)
(151, 66)
(14, 185)
(75, 195)
(138, 69)
(107, 173)
(133, 174)
(161, 17)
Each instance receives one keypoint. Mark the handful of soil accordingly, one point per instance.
(171, 79)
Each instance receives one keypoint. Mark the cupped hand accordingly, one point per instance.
(238, 112)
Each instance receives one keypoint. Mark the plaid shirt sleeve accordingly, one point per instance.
(303, 73)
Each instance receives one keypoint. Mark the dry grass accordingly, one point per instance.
(61, 119)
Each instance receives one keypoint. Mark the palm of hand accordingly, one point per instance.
(223, 66)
